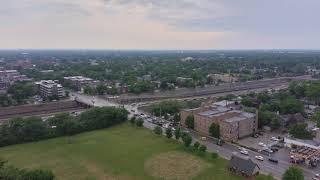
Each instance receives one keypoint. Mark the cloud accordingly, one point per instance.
(159, 24)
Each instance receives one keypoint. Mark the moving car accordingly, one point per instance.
(261, 144)
(244, 152)
(273, 160)
(260, 158)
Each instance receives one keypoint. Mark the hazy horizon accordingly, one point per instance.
(160, 25)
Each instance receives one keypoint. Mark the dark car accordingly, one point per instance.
(273, 160)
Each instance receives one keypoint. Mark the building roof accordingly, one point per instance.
(216, 110)
(243, 165)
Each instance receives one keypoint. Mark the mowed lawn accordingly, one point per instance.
(122, 152)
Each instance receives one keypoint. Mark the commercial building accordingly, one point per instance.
(8, 77)
(79, 82)
(50, 88)
(233, 123)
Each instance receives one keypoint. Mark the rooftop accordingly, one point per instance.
(78, 78)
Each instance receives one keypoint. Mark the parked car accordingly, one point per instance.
(260, 158)
(273, 160)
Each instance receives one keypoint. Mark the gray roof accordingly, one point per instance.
(243, 165)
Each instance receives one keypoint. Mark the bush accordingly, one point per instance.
(133, 120)
(139, 122)
(196, 145)
(169, 133)
(177, 133)
(203, 148)
(187, 139)
(190, 122)
(12, 173)
(157, 130)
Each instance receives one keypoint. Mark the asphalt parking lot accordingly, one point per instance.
(265, 139)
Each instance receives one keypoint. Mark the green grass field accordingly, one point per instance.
(121, 152)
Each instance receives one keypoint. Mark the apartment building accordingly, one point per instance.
(234, 124)
(49, 88)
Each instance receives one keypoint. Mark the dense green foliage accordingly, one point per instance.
(300, 131)
(190, 122)
(177, 133)
(17, 93)
(169, 133)
(214, 130)
(293, 173)
(20, 130)
(187, 139)
(139, 122)
(173, 108)
(11, 173)
(157, 130)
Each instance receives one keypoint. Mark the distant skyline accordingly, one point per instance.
(159, 24)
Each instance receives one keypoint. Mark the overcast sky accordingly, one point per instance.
(160, 24)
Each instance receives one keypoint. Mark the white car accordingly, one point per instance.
(262, 144)
(244, 152)
(260, 158)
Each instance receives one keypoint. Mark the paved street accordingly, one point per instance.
(225, 151)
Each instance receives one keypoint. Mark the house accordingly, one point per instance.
(243, 166)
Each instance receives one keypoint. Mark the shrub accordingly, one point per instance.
(157, 130)
(169, 133)
(139, 122)
(203, 148)
(196, 145)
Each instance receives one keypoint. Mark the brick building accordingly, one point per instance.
(234, 124)
(80, 82)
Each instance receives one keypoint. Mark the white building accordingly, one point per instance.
(49, 88)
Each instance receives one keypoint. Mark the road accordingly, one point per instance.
(225, 151)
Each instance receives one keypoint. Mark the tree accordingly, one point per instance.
(177, 133)
(214, 130)
(196, 145)
(313, 92)
(203, 148)
(300, 131)
(133, 120)
(176, 117)
(169, 133)
(275, 123)
(187, 139)
(291, 105)
(139, 122)
(89, 90)
(157, 130)
(101, 89)
(247, 102)
(190, 122)
(293, 173)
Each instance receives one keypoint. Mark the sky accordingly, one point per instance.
(160, 24)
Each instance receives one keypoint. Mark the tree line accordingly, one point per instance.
(21, 130)
(8, 172)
